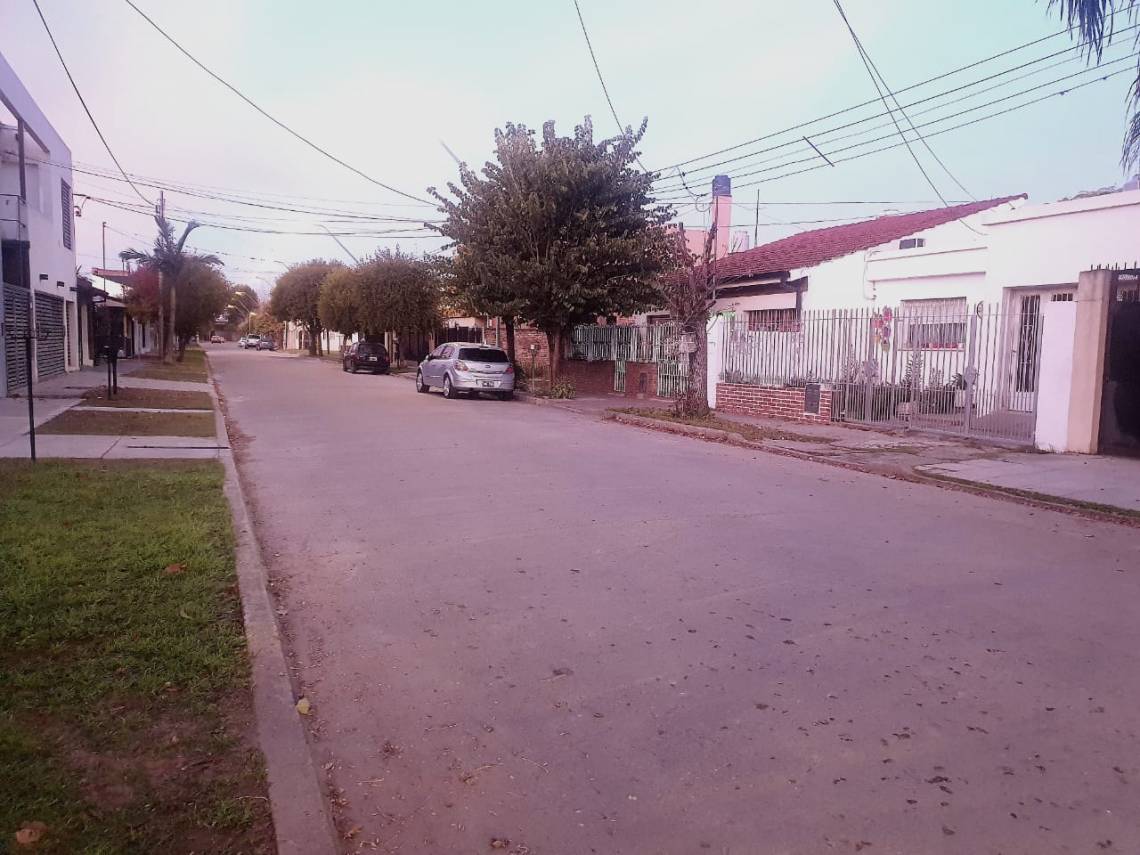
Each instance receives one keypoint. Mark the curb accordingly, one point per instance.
(1097, 513)
(300, 818)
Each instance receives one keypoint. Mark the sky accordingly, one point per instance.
(384, 85)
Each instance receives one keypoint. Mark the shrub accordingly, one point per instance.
(562, 389)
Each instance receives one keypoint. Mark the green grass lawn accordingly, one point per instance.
(124, 708)
(191, 368)
(166, 399)
(80, 421)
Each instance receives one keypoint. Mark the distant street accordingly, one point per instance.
(525, 627)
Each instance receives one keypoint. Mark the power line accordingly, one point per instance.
(133, 208)
(83, 102)
(937, 121)
(601, 80)
(934, 97)
(959, 126)
(912, 86)
(173, 188)
(866, 64)
(267, 115)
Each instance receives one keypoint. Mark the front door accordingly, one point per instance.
(1025, 342)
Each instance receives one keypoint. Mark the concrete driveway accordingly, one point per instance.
(521, 624)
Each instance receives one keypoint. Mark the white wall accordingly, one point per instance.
(43, 213)
(1055, 375)
(1051, 244)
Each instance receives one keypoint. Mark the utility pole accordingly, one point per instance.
(756, 227)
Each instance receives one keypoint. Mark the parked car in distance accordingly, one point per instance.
(216, 339)
(266, 343)
(367, 355)
(458, 367)
(250, 341)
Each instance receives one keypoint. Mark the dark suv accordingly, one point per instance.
(369, 355)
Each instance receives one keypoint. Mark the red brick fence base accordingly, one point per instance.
(772, 401)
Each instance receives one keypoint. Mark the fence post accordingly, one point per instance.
(971, 372)
(714, 358)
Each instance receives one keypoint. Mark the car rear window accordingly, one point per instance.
(482, 354)
(371, 349)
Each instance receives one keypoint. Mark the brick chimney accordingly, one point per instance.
(721, 212)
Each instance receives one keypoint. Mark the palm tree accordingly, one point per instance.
(1095, 20)
(169, 258)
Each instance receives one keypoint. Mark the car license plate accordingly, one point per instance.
(489, 384)
(372, 359)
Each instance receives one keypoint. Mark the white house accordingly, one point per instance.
(37, 239)
(941, 319)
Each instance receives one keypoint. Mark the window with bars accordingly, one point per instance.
(773, 320)
(935, 324)
(66, 213)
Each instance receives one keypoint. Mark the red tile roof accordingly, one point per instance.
(808, 249)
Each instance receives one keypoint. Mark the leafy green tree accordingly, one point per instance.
(339, 303)
(397, 293)
(1098, 23)
(204, 294)
(689, 293)
(243, 302)
(568, 230)
(167, 258)
(296, 297)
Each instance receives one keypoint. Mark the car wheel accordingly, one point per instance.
(506, 396)
(344, 366)
(448, 390)
(421, 386)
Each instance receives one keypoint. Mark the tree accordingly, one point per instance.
(141, 293)
(397, 293)
(167, 258)
(204, 295)
(689, 292)
(296, 297)
(473, 288)
(568, 231)
(243, 302)
(1095, 21)
(339, 304)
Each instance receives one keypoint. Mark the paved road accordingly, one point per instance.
(519, 623)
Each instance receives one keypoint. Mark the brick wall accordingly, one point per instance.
(524, 338)
(589, 378)
(771, 401)
(633, 372)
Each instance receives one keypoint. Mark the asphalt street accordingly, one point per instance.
(521, 624)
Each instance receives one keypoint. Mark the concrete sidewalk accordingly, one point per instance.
(1109, 482)
(58, 394)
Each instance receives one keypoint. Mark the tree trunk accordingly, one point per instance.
(509, 323)
(168, 357)
(314, 340)
(161, 316)
(694, 401)
(554, 345)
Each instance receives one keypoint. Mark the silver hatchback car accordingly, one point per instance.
(459, 366)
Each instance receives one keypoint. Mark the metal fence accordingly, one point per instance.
(657, 344)
(934, 364)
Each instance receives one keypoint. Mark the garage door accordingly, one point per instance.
(50, 339)
(15, 316)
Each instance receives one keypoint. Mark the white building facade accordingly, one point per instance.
(37, 239)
